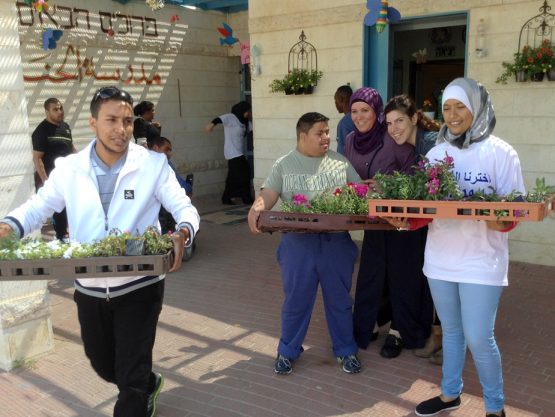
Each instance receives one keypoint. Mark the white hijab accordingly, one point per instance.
(477, 100)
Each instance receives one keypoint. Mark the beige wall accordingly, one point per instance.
(199, 79)
(524, 110)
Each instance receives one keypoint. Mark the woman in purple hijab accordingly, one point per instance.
(390, 262)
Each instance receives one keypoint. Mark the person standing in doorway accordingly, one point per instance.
(236, 127)
(345, 126)
(52, 139)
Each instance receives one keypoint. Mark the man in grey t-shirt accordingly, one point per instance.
(309, 259)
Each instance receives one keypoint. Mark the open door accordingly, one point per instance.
(417, 56)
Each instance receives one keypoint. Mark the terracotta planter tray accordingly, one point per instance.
(101, 267)
(280, 221)
(473, 210)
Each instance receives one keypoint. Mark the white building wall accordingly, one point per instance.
(25, 326)
(524, 110)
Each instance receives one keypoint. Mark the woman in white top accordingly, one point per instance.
(466, 261)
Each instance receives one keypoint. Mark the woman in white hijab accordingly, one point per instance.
(466, 261)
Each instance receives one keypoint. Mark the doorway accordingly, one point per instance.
(423, 56)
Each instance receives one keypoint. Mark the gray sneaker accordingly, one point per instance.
(153, 396)
(282, 365)
(350, 364)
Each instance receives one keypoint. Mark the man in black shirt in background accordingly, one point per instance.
(52, 139)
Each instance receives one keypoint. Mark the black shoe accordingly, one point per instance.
(350, 364)
(496, 415)
(392, 347)
(153, 396)
(282, 365)
(435, 406)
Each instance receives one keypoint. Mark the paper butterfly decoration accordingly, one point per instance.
(421, 56)
(380, 14)
(50, 37)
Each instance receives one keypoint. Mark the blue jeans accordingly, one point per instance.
(467, 313)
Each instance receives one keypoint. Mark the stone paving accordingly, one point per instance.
(217, 339)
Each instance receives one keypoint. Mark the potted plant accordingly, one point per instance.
(519, 68)
(545, 59)
(531, 63)
(428, 109)
(297, 81)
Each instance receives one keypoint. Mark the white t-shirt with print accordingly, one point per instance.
(466, 250)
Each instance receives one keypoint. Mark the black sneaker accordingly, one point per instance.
(496, 415)
(153, 396)
(350, 364)
(282, 366)
(392, 347)
(435, 406)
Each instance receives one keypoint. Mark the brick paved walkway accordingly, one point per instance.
(217, 339)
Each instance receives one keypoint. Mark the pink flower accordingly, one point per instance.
(337, 192)
(361, 190)
(448, 160)
(433, 186)
(433, 172)
(300, 199)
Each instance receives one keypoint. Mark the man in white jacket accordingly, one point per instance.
(113, 183)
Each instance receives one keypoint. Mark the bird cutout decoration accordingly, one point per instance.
(228, 38)
(174, 18)
(421, 56)
(50, 37)
(380, 14)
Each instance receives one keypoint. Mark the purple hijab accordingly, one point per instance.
(367, 142)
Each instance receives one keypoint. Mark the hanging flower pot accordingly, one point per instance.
(551, 75)
(538, 76)
(521, 76)
(309, 89)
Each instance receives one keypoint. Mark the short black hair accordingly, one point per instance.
(111, 93)
(157, 141)
(307, 120)
(344, 92)
(143, 107)
(50, 101)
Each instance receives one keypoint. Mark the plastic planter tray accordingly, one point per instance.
(280, 221)
(100, 267)
(472, 210)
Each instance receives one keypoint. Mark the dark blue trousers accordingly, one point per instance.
(306, 260)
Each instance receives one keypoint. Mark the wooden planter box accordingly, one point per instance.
(280, 221)
(101, 267)
(473, 210)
